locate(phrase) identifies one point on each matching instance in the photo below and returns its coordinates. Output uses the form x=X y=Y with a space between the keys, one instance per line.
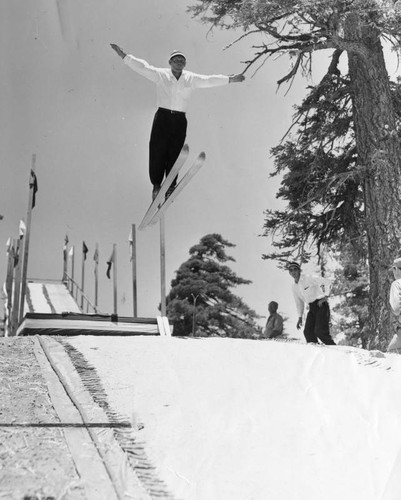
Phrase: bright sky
x=67 y=97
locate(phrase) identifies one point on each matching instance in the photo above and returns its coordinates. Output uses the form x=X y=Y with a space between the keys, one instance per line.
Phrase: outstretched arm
x=119 y=51
x=139 y=65
x=236 y=78
x=207 y=81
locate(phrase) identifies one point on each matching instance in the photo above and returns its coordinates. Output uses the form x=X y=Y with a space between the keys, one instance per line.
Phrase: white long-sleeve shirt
x=308 y=289
x=395 y=297
x=172 y=93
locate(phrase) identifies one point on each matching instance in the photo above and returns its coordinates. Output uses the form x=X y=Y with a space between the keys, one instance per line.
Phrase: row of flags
x=111 y=265
x=85 y=250
x=70 y=253
x=18 y=249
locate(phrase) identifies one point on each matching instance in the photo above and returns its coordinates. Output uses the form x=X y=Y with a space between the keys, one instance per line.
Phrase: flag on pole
x=110 y=263
x=131 y=245
x=96 y=259
x=96 y=254
x=96 y=271
x=22 y=229
x=33 y=183
x=65 y=247
x=16 y=251
x=84 y=249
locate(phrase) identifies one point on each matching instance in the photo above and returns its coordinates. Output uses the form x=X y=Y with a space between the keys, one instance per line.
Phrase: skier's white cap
x=177 y=53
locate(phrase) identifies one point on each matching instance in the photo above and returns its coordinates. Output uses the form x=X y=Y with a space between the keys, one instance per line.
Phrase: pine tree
x=356 y=29
x=201 y=302
x=321 y=182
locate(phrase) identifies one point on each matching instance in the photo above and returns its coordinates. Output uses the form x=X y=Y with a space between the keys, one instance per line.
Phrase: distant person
x=174 y=87
x=312 y=291
x=274 y=324
x=395 y=303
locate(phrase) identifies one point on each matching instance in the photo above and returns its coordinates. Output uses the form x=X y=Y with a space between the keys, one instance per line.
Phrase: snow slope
x=241 y=419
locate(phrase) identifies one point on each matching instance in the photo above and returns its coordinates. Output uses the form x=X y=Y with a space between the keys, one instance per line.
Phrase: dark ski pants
x=166 y=141
x=317 y=324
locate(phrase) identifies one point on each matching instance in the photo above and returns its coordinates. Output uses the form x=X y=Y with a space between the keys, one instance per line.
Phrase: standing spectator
x=312 y=291
x=274 y=324
x=395 y=303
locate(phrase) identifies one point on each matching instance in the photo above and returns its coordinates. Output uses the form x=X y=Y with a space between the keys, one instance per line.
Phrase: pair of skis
x=159 y=205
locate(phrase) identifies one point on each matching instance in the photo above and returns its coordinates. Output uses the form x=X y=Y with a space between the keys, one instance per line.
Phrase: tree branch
x=293 y=71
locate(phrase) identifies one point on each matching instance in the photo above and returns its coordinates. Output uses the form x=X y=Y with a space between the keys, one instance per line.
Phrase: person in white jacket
x=174 y=87
x=312 y=291
x=395 y=303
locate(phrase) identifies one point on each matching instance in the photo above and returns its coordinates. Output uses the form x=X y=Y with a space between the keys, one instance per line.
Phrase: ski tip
x=202 y=155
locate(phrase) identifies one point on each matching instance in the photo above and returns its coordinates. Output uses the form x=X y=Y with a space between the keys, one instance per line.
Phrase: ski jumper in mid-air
x=174 y=87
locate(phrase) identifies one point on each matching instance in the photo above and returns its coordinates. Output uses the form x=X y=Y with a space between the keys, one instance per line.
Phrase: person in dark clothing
x=274 y=324
x=313 y=291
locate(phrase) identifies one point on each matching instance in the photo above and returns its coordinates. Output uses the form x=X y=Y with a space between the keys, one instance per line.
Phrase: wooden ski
x=164 y=187
x=195 y=167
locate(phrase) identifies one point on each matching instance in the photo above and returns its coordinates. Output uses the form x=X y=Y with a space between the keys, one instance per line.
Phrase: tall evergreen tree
x=355 y=28
x=321 y=182
x=201 y=301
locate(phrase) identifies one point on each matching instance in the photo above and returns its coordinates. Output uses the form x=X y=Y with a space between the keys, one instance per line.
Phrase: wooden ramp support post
x=162 y=267
x=164 y=326
x=156 y=212
x=132 y=243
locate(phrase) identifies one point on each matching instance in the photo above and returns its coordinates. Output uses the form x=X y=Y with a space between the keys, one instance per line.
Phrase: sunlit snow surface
x=242 y=419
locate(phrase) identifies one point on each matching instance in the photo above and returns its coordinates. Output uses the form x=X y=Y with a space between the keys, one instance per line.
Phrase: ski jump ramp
x=50 y=309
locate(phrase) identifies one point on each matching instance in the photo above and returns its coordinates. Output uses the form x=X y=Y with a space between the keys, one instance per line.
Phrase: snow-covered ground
x=241 y=419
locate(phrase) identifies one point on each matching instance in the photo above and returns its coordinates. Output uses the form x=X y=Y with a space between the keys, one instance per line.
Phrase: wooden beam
x=134 y=275
x=162 y=267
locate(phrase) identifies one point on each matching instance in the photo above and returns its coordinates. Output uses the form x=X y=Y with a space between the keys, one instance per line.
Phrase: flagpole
x=72 y=269
x=65 y=258
x=82 y=281
x=162 y=267
x=134 y=277
x=83 y=275
x=17 y=285
x=27 y=238
x=96 y=258
x=9 y=285
x=115 y=277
